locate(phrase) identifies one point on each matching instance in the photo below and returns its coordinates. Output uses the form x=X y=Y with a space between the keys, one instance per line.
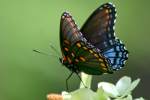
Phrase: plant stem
x=86 y=80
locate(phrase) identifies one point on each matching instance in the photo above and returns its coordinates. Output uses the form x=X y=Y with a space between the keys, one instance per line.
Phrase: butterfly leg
x=68 y=79
x=81 y=79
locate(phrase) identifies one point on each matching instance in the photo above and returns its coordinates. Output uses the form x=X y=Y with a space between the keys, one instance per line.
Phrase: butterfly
x=94 y=49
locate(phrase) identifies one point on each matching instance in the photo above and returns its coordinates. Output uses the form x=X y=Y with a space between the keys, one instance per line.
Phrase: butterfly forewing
x=98 y=29
x=69 y=32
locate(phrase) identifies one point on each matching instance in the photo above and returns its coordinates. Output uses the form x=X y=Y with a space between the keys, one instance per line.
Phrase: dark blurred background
x=30 y=24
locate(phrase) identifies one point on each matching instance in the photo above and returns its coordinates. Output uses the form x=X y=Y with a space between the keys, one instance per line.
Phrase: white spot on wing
x=114 y=27
x=110 y=3
x=114 y=21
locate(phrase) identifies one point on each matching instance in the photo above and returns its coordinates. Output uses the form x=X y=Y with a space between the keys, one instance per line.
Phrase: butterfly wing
x=78 y=51
x=89 y=60
x=98 y=29
x=69 y=33
x=117 y=55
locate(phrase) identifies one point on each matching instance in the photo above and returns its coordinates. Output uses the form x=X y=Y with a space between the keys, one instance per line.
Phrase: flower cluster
x=106 y=91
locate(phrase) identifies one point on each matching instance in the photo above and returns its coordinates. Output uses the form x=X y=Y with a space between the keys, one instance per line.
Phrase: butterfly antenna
x=37 y=51
x=54 y=49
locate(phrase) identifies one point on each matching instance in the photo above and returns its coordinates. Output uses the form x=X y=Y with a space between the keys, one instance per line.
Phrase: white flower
x=106 y=91
x=66 y=95
x=122 y=89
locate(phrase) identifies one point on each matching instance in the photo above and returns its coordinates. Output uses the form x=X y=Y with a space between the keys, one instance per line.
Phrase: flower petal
x=83 y=94
x=134 y=84
x=101 y=94
x=66 y=95
x=123 y=85
x=109 y=89
x=141 y=98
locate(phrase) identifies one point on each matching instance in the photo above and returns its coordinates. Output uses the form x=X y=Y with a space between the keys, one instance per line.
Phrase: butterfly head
x=62 y=60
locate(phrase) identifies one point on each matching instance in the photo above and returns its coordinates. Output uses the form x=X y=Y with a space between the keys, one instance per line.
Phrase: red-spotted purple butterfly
x=94 y=49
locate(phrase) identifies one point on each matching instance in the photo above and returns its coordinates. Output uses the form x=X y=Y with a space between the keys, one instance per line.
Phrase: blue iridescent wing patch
x=117 y=55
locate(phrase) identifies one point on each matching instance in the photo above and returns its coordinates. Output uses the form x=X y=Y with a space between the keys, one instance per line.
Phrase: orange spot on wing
x=78 y=45
x=85 y=48
x=103 y=65
x=64 y=58
x=67 y=42
x=90 y=51
x=76 y=60
x=96 y=55
x=107 y=11
x=101 y=60
x=82 y=58
x=69 y=60
x=66 y=49
x=72 y=54
x=104 y=69
x=107 y=17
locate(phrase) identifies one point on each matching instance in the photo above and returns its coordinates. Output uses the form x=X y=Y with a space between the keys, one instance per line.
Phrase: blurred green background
x=34 y=24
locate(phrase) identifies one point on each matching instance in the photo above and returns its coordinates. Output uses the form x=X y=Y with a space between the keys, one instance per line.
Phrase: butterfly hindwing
x=90 y=61
x=117 y=55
